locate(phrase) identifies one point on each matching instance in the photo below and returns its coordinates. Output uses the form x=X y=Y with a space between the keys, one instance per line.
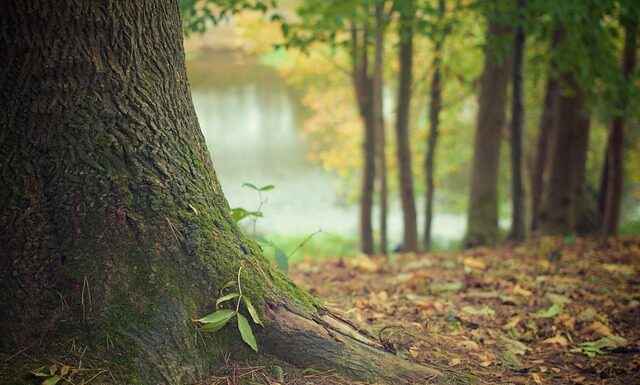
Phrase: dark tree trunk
x=483 y=203
x=435 y=106
x=542 y=156
x=566 y=198
x=115 y=230
x=518 y=230
x=613 y=173
x=410 y=237
x=379 y=124
x=363 y=84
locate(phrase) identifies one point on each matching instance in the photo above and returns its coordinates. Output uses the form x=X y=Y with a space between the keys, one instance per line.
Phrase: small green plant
x=219 y=318
x=239 y=213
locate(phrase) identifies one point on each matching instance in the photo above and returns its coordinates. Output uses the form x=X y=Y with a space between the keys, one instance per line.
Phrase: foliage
x=197 y=14
x=220 y=318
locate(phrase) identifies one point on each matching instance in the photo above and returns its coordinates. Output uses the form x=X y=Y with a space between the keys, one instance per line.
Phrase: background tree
x=482 y=225
x=115 y=230
x=435 y=105
x=518 y=229
x=406 y=10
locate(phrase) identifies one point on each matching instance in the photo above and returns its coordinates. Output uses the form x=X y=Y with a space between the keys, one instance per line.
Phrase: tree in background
x=435 y=105
x=483 y=203
x=613 y=171
x=518 y=229
x=407 y=12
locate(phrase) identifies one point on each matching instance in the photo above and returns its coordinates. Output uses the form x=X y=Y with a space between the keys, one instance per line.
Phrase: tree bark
x=518 y=229
x=378 y=117
x=435 y=105
x=115 y=230
x=483 y=202
x=614 y=168
x=410 y=235
x=363 y=84
x=566 y=191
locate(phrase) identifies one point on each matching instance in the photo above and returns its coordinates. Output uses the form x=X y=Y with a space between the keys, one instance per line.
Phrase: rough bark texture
x=363 y=84
x=483 y=203
x=115 y=230
x=518 y=229
x=566 y=193
x=435 y=105
x=614 y=169
x=410 y=235
x=378 y=117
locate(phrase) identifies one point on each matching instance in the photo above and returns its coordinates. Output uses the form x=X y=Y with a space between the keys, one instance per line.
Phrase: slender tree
x=115 y=231
x=378 y=117
x=483 y=202
x=406 y=9
x=435 y=105
x=611 y=186
x=518 y=229
x=363 y=84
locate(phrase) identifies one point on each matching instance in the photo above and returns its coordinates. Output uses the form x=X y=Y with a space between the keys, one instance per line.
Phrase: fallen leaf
x=598 y=328
x=536 y=378
x=558 y=340
x=454 y=362
x=520 y=291
x=474 y=263
x=513 y=322
x=485 y=311
x=469 y=345
x=550 y=312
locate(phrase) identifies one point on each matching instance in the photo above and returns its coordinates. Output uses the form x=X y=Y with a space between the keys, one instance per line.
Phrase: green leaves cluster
x=220 y=318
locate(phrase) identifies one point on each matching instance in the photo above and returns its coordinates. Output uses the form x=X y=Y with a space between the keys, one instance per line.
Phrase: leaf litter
x=545 y=311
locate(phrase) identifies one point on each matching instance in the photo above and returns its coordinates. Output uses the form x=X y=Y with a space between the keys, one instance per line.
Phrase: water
x=252 y=123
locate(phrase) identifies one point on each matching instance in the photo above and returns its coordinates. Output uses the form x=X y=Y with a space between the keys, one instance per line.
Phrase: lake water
x=252 y=122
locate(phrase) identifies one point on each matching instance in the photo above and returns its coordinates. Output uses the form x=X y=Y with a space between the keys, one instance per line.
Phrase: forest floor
x=549 y=311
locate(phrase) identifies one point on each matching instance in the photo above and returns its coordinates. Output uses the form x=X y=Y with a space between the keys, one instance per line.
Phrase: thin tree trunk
x=518 y=230
x=483 y=203
x=116 y=233
x=566 y=190
x=363 y=88
x=614 y=160
x=410 y=237
x=435 y=106
x=379 y=124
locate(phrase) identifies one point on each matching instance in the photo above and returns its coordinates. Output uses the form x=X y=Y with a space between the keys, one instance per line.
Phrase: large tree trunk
x=435 y=105
x=410 y=237
x=363 y=84
x=378 y=117
x=115 y=230
x=518 y=230
x=483 y=203
x=611 y=190
x=566 y=193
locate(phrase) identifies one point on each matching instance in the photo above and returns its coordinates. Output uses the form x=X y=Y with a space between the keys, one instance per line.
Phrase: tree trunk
x=378 y=117
x=410 y=237
x=483 y=203
x=566 y=190
x=363 y=84
x=614 y=171
x=115 y=230
x=435 y=106
x=518 y=230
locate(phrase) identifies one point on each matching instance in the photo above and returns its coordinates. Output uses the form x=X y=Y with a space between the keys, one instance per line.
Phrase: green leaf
x=252 y=311
x=51 y=380
x=227 y=285
x=246 y=333
x=251 y=186
x=216 y=320
x=226 y=298
x=551 y=312
x=267 y=187
x=238 y=214
x=282 y=260
x=485 y=311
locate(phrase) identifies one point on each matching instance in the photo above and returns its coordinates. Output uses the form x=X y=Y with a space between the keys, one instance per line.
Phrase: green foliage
x=196 y=14
x=220 y=318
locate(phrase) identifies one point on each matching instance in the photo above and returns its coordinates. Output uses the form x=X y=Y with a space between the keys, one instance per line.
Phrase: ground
x=549 y=311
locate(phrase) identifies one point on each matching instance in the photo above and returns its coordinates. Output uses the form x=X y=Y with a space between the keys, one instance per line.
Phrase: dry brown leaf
x=536 y=378
x=474 y=263
x=598 y=328
x=517 y=289
x=454 y=362
x=513 y=322
x=558 y=340
x=414 y=351
x=469 y=345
